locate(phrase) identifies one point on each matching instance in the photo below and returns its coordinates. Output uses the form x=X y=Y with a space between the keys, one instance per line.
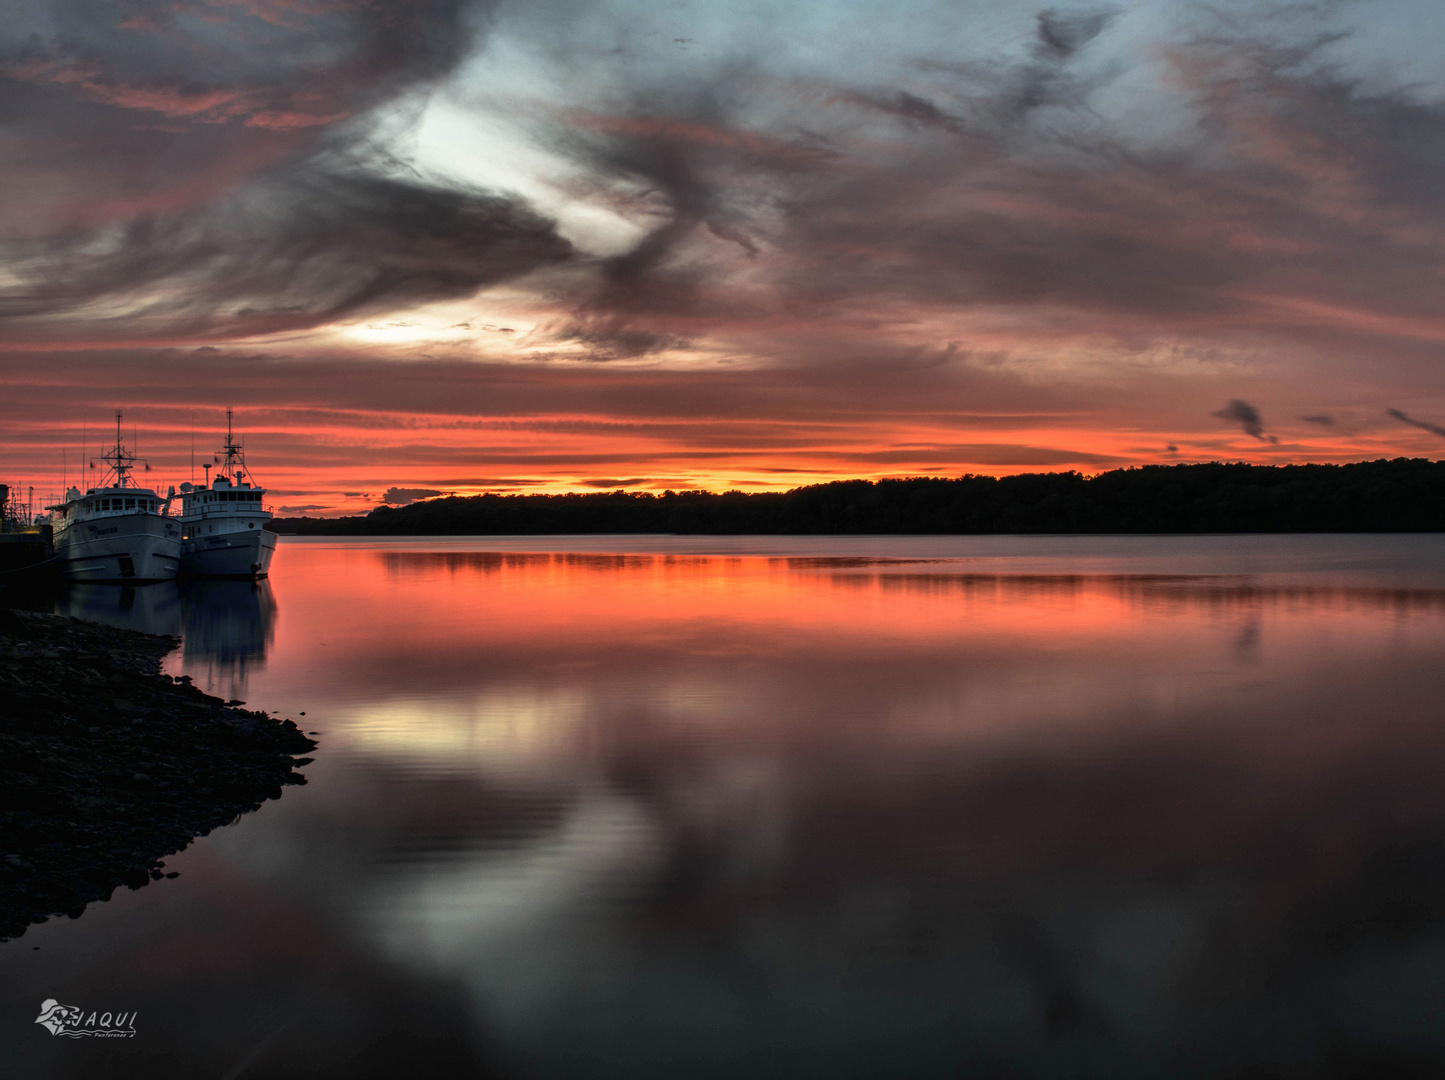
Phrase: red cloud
x=290 y=121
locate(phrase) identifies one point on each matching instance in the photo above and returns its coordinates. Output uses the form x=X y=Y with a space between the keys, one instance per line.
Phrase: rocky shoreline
x=107 y=766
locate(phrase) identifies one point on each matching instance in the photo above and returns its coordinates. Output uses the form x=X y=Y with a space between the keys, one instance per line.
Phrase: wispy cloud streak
x=1248 y=418
x=1423 y=425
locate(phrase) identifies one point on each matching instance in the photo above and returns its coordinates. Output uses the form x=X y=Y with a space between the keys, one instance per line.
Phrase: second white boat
x=224 y=522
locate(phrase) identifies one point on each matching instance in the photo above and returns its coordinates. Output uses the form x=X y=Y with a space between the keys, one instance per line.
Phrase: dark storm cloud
x=611 y=484
x=1247 y=417
x=908 y=107
x=174 y=175
x=1065 y=33
x=161 y=105
x=1423 y=425
x=293 y=249
x=1322 y=420
x=610 y=337
x=403 y=496
x=1287 y=201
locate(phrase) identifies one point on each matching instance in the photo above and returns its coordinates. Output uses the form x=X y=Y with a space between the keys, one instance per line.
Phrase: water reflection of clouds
x=708 y=815
x=1181 y=590
x=1163 y=872
x=1170 y=892
x=402 y=565
x=955 y=576
x=496 y=729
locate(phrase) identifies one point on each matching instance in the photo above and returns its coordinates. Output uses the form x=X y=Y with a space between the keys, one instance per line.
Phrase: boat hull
x=131 y=547
x=229 y=555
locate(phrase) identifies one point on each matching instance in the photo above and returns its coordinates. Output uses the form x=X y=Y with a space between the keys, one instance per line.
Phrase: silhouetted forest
x=1403 y=495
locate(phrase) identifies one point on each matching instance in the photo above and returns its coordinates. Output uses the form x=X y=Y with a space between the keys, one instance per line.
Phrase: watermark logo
x=72 y=1021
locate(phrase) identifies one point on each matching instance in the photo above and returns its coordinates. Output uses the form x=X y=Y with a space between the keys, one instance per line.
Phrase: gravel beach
x=107 y=766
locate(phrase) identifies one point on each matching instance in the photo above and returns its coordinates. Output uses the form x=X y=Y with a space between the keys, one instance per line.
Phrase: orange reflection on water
x=806 y=648
x=1144 y=801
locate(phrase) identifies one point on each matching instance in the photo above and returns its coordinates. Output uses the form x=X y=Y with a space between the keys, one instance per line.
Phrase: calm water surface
x=842 y=807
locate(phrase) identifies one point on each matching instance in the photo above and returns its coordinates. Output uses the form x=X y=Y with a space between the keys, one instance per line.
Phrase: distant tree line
x=1403 y=495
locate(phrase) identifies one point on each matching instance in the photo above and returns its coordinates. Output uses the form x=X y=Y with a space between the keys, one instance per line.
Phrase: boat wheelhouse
x=118 y=531
x=223 y=522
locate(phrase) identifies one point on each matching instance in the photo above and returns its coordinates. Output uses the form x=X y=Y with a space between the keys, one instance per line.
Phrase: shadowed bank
x=1404 y=495
x=108 y=766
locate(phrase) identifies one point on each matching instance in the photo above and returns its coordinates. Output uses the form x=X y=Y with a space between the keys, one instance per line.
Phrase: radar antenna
x=120 y=462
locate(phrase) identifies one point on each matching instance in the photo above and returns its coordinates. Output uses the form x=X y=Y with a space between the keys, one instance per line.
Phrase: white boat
x=118 y=531
x=223 y=522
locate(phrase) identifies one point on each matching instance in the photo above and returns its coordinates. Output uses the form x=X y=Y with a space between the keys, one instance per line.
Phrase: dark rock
x=86 y=891
x=79 y=811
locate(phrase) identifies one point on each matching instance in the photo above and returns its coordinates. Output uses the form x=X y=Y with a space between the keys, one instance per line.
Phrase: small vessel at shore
x=24 y=547
x=223 y=522
x=118 y=531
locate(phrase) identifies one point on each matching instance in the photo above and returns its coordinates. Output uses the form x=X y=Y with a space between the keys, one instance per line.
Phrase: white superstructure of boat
x=223 y=522
x=118 y=531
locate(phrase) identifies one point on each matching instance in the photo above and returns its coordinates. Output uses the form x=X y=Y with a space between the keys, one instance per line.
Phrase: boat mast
x=234 y=454
x=120 y=461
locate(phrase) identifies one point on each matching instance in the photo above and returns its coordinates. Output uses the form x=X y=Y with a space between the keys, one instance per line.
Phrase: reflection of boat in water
x=228 y=623
x=224 y=522
x=151 y=609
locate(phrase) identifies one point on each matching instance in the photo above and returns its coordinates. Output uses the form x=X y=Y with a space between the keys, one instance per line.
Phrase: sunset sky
x=488 y=245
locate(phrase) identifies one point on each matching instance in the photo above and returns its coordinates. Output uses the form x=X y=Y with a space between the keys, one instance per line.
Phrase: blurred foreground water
x=845 y=807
